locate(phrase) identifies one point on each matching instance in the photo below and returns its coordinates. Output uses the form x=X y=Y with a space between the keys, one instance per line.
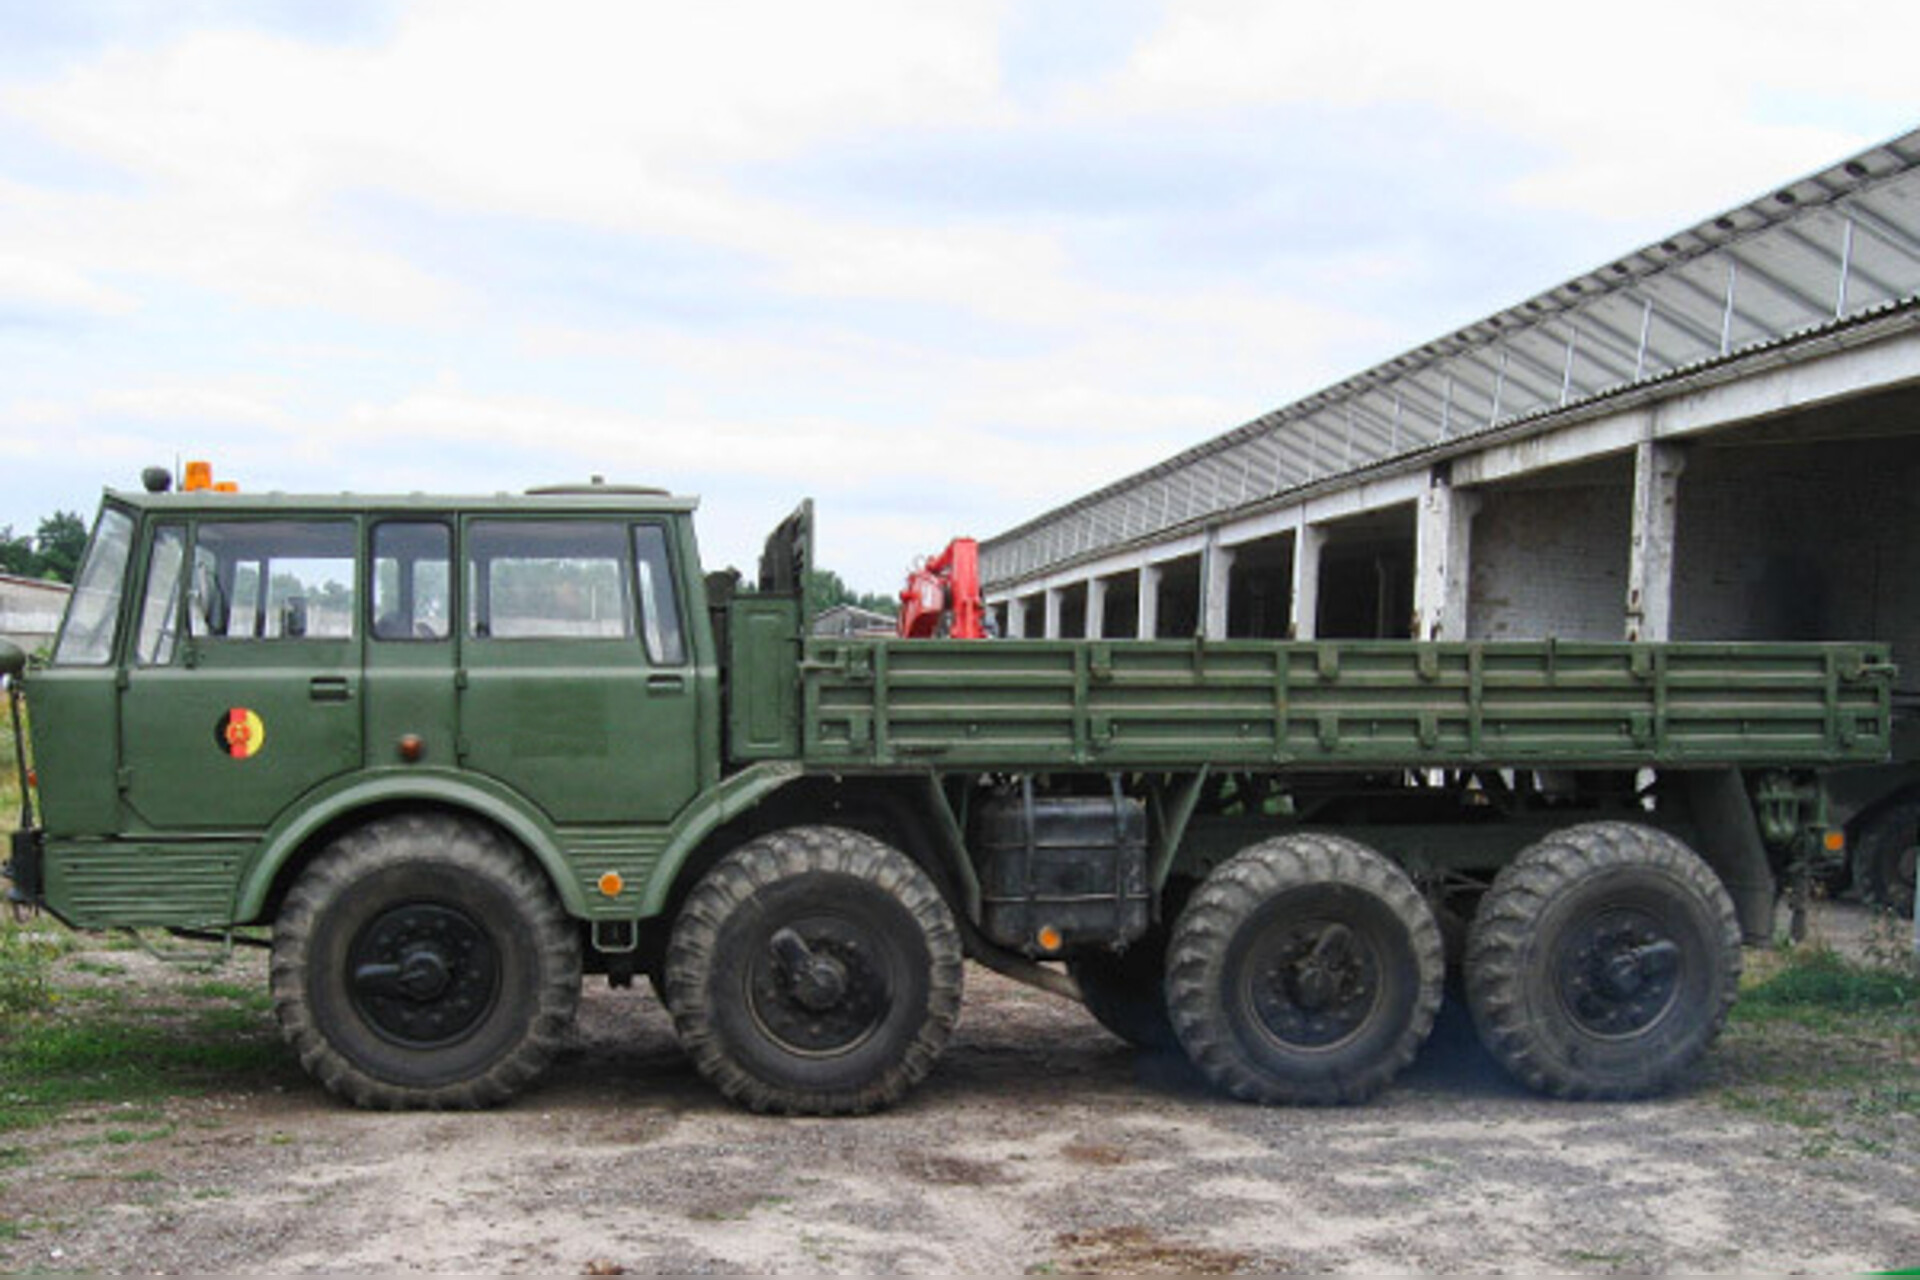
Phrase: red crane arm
x=945 y=589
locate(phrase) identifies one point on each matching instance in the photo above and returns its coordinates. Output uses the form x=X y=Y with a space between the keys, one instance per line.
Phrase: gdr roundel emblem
x=240 y=733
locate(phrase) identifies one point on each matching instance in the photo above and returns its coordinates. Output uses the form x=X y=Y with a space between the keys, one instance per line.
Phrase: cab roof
x=559 y=498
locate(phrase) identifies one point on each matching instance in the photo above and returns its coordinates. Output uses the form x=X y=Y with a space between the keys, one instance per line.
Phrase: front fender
x=459 y=792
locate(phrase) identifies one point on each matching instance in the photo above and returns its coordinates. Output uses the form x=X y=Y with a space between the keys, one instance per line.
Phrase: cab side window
x=160 y=609
x=659 y=606
x=86 y=634
x=284 y=580
x=548 y=579
x=412 y=580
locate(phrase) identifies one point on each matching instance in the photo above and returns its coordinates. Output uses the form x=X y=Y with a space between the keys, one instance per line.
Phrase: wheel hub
x=1315 y=984
x=423 y=974
x=1619 y=972
x=816 y=988
x=817 y=980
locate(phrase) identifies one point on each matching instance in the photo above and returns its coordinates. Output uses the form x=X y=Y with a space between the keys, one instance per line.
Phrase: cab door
x=577 y=688
x=411 y=716
x=242 y=688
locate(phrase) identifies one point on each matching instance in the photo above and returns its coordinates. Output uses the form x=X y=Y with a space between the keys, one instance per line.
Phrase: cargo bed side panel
x=1338 y=705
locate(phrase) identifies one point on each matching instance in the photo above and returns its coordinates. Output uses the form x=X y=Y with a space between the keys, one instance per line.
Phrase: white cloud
x=1638 y=108
x=927 y=366
x=613 y=115
x=201 y=405
x=40 y=285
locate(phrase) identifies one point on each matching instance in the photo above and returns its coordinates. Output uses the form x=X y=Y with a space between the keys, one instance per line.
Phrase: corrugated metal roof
x=1821 y=252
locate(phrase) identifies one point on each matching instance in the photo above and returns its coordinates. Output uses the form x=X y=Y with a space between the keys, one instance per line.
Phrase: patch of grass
x=1817 y=981
x=51 y=1065
x=251 y=998
x=26 y=965
x=100 y=969
x=1779 y=1108
x=9 y=770
x=11 y=1230
x=1827 y=1046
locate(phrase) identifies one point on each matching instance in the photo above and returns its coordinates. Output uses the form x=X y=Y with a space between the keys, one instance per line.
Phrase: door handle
x=666 y=684
x=329 y=689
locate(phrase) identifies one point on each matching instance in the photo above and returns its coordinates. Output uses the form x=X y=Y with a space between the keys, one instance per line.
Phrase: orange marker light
x=1049 y=938
x=199 y=476
x=611 y=884
x=411 y=747
x=1836 y=841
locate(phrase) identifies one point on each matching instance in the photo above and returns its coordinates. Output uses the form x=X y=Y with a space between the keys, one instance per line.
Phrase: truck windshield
x=86 y=637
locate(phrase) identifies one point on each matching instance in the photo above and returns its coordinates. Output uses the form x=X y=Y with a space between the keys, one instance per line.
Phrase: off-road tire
x=1265 y=916
x=1883 y=854
x=851 y=899
x=404 y=878
x=1538 y=962
x=1126 y=992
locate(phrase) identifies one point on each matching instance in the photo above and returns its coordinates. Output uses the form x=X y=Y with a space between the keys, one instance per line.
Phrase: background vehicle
x=457 y=752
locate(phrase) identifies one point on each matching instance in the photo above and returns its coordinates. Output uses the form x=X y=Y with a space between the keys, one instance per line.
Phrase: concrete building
x=852 y=620
x=30 y=610
x=1716 y=436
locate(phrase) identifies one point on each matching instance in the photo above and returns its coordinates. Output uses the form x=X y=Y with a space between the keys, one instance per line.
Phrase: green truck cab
x=457 y=752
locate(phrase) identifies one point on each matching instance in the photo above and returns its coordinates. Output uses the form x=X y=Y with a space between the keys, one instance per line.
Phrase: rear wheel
x=421 y=962
x=1307 y=970
x=814 y=970
x=1126 y=992
x=1602 y=962
x=1883 y=858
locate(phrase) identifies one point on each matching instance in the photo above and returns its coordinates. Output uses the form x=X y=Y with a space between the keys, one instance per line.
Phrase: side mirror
x=294 y=621
x=13 y=659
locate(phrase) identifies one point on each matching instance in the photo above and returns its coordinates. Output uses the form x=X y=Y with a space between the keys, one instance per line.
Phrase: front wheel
x=1306 y=969
x=814 y=971
x=1602 y=962
x=420 y=962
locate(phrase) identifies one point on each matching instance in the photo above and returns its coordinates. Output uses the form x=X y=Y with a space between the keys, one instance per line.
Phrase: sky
x=940 y=267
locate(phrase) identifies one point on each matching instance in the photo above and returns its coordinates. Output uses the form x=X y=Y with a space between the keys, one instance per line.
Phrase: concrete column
x=1656 y=507
x=1096 y=608
x=1053 y=613
x=1305 y=609
x=1149 y=601
x=1213 y=591
x=1016 y=618
x=1443 y=556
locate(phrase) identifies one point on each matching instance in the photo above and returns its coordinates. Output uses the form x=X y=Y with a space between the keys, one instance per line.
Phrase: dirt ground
x=1041 y=1144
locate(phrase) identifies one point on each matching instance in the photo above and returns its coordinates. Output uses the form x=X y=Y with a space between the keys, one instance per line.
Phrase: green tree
x=16 y=555
x=59 y=544
x=825 y=588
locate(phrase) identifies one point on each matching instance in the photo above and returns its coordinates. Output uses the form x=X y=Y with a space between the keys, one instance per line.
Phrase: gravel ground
x=1040 y=1144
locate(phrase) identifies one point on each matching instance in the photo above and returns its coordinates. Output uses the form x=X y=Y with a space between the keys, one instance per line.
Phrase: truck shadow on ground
x=1011 y=1047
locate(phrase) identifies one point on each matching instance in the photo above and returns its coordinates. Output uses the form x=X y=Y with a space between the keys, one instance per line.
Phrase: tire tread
x=463 y=845
x=1232 y=893
x=1499 y=944
x=760 y=864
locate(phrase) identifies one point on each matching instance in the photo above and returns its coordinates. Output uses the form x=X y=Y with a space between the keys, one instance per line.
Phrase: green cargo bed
x=1037 y=704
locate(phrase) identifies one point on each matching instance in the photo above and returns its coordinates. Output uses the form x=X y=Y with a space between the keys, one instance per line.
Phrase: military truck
x=454 y=753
